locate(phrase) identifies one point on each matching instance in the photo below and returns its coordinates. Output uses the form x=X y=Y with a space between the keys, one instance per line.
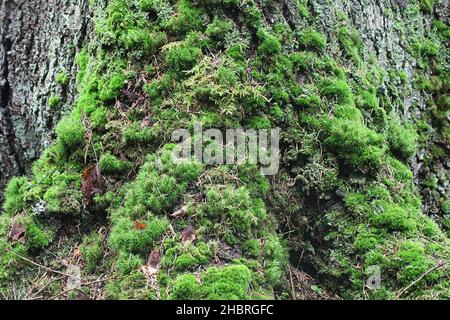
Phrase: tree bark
x=38 y=39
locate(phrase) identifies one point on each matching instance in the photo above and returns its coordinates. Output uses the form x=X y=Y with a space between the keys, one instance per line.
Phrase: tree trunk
x=38 y=40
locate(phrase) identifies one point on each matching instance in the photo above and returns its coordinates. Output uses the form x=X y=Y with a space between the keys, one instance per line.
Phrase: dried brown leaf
x=188 y=234
x=91 y=179
x=17 y=233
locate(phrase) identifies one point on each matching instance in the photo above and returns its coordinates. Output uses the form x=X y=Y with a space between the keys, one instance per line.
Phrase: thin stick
x=292 y=284
x=39 y=265
x=418 y=279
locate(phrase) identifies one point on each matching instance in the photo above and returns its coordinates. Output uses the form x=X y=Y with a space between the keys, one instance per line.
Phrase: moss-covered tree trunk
x=358 y=87
x=38 y=41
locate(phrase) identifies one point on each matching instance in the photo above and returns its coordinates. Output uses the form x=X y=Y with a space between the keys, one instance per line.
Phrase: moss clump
x=71 y=131
x=92 y=250
x=270 y=45
x=337 y=90
x=62 y=79
x=402 y=138
x=54 y=101
x=111 y=165
x=312 y=39
x=109 y=90
x=126 y=237
x=186 y=287
x=217 y=32
x=351 y=44
x=16 y=195
x=227 y=283
x=182 y=58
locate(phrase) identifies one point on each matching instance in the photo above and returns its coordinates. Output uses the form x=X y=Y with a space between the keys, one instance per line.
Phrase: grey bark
x=38 y=39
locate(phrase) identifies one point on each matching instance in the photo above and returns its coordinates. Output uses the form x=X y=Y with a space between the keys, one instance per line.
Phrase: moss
x=355 y=143
x=131 y=287
x=275 y=258
x=16 y=195
x=237 y=206
x=182 y=58
x=111 y=165
x=127 y=263
x=217 y=32
x=402 y=138
x=352 y=44
x=413 y=262
x=71 y=131
x=63 y=194
x=427 y=5
x=54 y=101
x=312 y=39
x=252 y=248
x=188 y=18
x=441 y=28
x=393 y=217
x=62 y=79
x=337 y=90
x=110 y=89
x=269 y=45
x=185 y=262
x=227 y=283
x=127 y=238
x=186 y=287
x=92 y=250
x=136 y=134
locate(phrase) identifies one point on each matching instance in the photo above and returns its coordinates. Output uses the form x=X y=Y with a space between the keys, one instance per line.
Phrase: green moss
x=402 y=138
x=71 y=131
x=136 y=134
x=62 y=79
x=186 y=287
x=312 y=39
x=54 y=101
x=217 y=32
x=337 y=90
x=269 y=45
x=111 y=165
x=127 y=263
x=110 y=89
x=36 y=236
x=252 y=248
x=182 y=58
x=236 y=205
x=441 y=28
x=427 y=5
x=227 y=283
x=351 y=44
x=127 y=238
x=393 y=217
x=412 y=262
x=15 y=195
x=131 y=287
x=188 y=18
x=92 y=250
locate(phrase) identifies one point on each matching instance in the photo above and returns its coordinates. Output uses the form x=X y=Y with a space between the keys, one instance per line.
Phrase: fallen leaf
x=188 y=234
x=91 y=181
x=139 y=225
x=17 y=233
x=154 y=258
x=179 y=213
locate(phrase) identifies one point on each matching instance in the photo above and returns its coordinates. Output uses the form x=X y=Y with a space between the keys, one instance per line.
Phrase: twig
x=39 y=265
x=418 y=279
x=292 y=284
